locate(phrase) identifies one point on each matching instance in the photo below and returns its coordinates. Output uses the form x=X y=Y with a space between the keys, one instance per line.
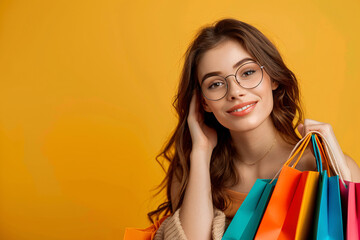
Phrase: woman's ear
x=274 y=84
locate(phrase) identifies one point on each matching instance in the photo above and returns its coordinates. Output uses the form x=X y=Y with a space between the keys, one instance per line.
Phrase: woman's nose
x=234 y=89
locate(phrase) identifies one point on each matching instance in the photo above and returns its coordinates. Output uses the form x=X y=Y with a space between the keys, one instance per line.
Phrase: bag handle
x=298 y=149
x=302 y=144
x=320 y=155
x=317 y=154
x=330 y=157
x=328 y=153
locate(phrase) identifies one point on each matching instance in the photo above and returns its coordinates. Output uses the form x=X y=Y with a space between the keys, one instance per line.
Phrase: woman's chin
x=246 y=125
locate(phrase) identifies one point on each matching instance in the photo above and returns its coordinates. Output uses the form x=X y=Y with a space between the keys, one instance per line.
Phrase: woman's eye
x=215 y=85
x=248 y=73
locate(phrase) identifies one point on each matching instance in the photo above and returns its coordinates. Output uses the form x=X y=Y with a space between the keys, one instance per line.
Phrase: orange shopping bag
x=289 y=212
x=143 y=234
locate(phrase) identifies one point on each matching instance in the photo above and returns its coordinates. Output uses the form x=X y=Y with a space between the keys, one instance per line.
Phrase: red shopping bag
x=350 y=199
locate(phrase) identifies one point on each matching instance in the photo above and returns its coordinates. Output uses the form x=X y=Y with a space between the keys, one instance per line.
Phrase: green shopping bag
x=247 y=219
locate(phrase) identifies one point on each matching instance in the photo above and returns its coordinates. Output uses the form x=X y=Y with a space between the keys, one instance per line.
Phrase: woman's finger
x=192 y=106
x=308 y=121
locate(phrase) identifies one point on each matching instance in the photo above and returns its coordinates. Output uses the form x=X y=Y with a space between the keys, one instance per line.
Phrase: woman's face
x=252 y=106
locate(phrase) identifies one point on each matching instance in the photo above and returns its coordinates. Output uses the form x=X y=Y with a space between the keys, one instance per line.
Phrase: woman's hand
x=347 y=165
x=203 y=137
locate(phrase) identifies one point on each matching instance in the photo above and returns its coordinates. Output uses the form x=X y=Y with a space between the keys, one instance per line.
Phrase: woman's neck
x=254 y=145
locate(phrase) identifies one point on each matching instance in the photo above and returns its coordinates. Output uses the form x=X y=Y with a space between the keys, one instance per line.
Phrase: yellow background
x=86 y=91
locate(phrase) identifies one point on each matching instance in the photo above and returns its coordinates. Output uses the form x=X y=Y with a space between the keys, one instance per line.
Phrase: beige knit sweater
x=171 y=228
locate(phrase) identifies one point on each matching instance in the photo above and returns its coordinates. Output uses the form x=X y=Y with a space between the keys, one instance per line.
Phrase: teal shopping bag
x=328 y=214
x=247 y=219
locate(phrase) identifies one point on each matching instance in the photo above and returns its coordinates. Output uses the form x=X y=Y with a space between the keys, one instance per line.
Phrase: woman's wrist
x=200 y=155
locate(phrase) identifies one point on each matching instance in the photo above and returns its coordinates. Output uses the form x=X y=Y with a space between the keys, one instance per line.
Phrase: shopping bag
x=350 y=198
x=328 y=213
x=289 y=212
x=143 y=234
x=247 y=218
x=297 y=224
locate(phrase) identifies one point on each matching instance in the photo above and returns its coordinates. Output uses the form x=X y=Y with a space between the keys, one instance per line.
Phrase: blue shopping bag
x=328 y=222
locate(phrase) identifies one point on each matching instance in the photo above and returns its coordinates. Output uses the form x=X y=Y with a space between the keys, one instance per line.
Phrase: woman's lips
x=242 y=109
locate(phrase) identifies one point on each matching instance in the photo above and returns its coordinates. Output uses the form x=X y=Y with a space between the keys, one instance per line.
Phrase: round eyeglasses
x=248 y=75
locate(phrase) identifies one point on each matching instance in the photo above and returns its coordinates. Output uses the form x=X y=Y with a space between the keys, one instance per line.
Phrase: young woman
x=238 y=108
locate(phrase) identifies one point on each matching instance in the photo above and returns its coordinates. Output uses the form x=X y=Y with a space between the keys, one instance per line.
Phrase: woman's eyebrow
x=210 y=74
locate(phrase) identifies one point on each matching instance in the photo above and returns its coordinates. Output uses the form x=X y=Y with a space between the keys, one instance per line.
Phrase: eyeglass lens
x=248 y=75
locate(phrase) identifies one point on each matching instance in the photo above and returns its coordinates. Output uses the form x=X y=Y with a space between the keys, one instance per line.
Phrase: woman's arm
x=354 y=169
x=196 y=213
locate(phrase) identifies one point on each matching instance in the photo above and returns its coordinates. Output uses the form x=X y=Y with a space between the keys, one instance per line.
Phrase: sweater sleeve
x=171 y=228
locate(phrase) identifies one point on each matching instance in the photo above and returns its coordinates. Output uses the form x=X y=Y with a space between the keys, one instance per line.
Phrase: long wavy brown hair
x=286 y=113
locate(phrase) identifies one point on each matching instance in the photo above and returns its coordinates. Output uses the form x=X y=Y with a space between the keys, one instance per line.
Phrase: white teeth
x=243 y=108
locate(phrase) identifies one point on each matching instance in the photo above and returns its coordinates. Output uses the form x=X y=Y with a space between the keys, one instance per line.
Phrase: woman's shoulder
x=354 y=168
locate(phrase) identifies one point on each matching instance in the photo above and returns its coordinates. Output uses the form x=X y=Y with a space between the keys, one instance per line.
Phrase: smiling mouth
x=243 y=108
